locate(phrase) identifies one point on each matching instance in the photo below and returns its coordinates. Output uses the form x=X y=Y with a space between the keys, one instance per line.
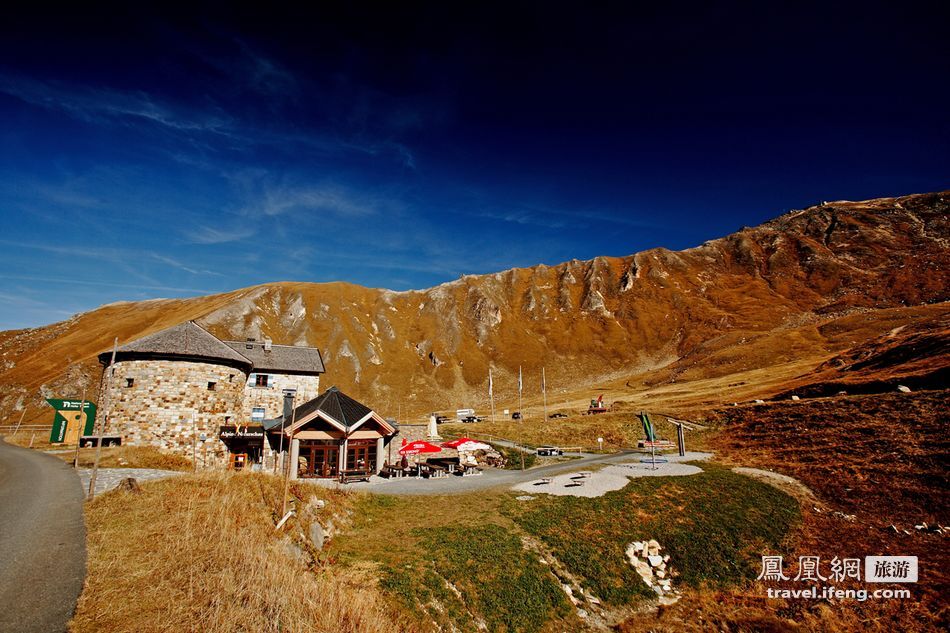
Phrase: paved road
x=42 y=541
x=493 y=477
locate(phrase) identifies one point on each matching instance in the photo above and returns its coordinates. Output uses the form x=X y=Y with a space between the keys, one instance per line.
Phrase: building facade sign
x=241 y=433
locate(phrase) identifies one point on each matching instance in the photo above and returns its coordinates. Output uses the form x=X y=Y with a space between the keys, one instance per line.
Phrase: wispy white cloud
x=104 y=105
x=209 y=128
x=108 y=284
x=556 y=217
x=174 y=263
x=328 y=198
x=215 y=235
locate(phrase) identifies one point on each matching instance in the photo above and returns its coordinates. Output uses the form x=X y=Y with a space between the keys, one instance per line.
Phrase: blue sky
x=164 y=155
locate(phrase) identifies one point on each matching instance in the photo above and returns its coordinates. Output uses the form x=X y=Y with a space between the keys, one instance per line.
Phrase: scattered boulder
x=796 y=398
x=903 y=388
x=570 y=594
x=317 y=536
x=293 y=550
x=645 y=558
x=315 y=505
x=128 y=484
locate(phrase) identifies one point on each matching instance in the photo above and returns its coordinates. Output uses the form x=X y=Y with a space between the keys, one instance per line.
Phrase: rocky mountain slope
x=806 y=285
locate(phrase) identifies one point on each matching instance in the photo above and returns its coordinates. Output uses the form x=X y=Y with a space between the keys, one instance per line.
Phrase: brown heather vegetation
x=129 y=457
x=199 y=553
x=881 y=458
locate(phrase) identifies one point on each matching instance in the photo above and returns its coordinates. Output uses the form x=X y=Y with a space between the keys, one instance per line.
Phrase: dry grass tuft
x=129 y=457
x=200 y=553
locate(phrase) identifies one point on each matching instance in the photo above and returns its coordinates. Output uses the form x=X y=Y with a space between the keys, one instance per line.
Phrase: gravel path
x=109 y=478
x=494 y=478
x=610 y=478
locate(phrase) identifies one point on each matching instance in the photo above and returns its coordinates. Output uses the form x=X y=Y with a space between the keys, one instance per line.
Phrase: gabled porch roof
x=338 y=410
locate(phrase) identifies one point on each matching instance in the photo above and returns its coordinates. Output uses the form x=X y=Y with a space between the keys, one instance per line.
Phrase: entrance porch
x=334 y=436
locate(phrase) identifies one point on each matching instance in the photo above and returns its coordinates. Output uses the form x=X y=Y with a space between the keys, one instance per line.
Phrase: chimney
x=267 y=344
x=248 y=343
x=288 y=406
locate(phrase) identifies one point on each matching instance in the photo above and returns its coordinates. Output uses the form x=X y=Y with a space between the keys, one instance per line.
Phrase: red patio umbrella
x=414 y=448
x=456 y=443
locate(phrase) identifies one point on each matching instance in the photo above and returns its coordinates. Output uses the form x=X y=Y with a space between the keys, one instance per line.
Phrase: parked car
x=557 y=415
x=516 y=415
x=439 y=419
x=549 y=451
x=472 y=418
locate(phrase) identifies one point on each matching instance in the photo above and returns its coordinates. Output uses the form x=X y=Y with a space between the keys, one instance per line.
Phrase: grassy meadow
x=474 y=560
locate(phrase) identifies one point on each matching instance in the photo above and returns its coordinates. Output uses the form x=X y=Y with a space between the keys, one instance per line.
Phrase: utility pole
x=17 y=429
x=293 y=418
x=544 y=393
x=491 y=396
x=283 y=426
x=194 y=443
x=105 y=417
x=82 y=423
x=521 y=413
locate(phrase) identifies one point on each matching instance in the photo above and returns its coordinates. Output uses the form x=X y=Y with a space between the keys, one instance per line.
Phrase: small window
x=262 y=380
x=257 y=413
x=211 y=386
x=230 y=377
x=129 y=382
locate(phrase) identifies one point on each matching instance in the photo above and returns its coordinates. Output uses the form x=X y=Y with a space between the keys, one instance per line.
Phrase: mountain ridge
x=584 y=320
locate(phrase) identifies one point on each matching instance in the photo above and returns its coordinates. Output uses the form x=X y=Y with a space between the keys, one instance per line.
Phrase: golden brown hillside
x=784 y=297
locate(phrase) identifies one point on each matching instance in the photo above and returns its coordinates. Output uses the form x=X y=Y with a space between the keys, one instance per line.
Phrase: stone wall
x=272 y=398
x=169 y=403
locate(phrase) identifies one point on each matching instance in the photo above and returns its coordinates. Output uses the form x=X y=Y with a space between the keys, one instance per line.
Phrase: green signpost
x=68 y=418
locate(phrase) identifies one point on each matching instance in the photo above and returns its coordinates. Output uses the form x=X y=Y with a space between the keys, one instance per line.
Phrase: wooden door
x=322 y=460
x=361 y=456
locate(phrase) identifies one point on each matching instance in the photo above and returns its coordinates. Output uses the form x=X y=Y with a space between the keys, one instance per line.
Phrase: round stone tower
x=173 y=388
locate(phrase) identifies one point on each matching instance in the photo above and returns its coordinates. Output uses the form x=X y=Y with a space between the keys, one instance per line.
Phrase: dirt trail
x=788 y=485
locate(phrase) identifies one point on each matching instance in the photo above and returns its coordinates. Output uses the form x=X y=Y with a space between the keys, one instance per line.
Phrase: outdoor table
x=437 y=471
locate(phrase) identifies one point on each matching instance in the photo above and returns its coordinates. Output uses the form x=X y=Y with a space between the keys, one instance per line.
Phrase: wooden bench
x=347 y=476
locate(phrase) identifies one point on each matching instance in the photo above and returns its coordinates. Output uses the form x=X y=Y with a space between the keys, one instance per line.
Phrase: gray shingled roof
x=335 y=404
x=281 y=358
x=185 y=340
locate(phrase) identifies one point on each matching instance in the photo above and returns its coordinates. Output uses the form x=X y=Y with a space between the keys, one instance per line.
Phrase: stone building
x=183 y=390
x=278 y=371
